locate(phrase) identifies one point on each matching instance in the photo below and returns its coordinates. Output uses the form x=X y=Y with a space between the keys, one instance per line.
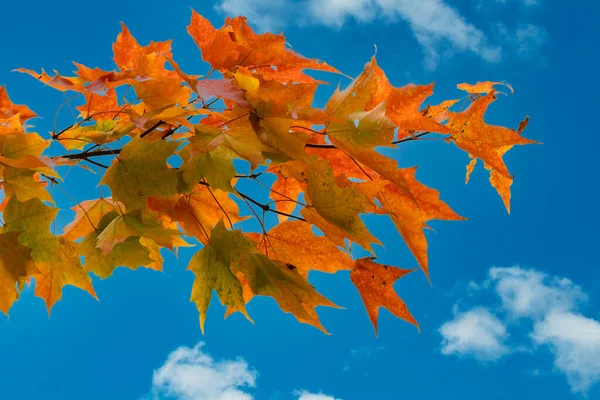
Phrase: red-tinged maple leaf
x=127 y=51
x=410 y=214
x=100 y=107
x=295 y=244
x=403 y=109
x=375 y=283
x=8 y=108
x=486 y=142
x=235 y=44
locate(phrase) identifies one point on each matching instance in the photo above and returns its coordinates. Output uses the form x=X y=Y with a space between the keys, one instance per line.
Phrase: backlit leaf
x=375 y=283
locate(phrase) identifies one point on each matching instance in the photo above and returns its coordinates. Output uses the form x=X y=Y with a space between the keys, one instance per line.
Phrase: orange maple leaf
x=375 y=283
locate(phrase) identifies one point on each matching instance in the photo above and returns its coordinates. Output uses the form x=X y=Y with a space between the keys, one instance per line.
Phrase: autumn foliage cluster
x=253 y=104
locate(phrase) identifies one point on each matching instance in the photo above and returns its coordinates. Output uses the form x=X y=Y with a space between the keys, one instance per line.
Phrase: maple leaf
x=134 y=224
x=235 y=44
x=100 y=107
x=87 y=74
x=155 y=85
x=230 y=253
x=24 y=184
x=215 y=167
x=206 y=89
x=102 y=132
x=411 y=213
x=341 y=163
x=57 y=81
x=213 y=269
x=8 y=108
x=439 y=112
x=133 y=252
x=481 y=140
x=242 y=140
x=375 y=283
x=88 y=215
x=403 y=110
x=275 y=108
x=18 y=146
x=141 y=171
x=198 y=211
x=127 y=51
x=335 y=210
x=55 y=257
x=357 y=128
x=162 y=87
x=374 y=129
x=294 y=243
x=486 y=142
x=16 y=265
x=43 y=165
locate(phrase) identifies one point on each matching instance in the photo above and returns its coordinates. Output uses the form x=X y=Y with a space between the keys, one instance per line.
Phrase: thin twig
x=151 y=129
x=266 y=207
x=85 y=155
x=96 y=163
x=410 y=138
x=219 y=204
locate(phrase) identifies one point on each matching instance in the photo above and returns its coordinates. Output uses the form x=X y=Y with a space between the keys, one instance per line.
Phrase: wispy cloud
x=189 y=373
x=525 y=39
x=530 y=38
x=304 y=395
x=360 y=356
x=549 y=304
x=434 y=23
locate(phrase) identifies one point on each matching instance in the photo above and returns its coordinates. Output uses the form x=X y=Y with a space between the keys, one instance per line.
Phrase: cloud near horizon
x=549 y=304
x=192 y=374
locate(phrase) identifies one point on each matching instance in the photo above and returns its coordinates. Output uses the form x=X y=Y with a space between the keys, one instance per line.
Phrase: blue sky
x=513 y=309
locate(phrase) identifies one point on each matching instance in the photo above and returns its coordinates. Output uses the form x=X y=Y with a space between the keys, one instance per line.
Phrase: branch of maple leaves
x=86 y=156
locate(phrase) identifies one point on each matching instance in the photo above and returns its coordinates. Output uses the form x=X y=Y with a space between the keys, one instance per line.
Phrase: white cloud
x=575 y=341
x=191 y=374
x=551 y=304
x=530 y=293
x=475 y=333
x=304 y=395
x=434 y=23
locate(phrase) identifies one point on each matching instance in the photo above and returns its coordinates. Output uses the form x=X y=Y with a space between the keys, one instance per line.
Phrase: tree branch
x=152 y=128
x=410 y=138
x=86 y=155
x=266 y=207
